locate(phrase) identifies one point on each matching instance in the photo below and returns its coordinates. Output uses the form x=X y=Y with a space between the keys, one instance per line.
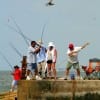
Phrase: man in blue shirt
x=41 y=60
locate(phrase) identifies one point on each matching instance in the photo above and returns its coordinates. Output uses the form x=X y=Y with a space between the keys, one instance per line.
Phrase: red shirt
x=17 y=74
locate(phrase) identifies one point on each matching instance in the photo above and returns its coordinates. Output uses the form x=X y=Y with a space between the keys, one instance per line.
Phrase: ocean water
x=5 y=81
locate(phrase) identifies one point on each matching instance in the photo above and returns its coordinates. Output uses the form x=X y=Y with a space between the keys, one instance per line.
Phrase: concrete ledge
x=59 y=89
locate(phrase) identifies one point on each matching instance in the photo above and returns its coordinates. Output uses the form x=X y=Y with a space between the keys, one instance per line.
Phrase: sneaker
x=67 y=78
x=38 y=78
x=28 y=78
x=44 y=77
x=11 y=90
x=79 y=78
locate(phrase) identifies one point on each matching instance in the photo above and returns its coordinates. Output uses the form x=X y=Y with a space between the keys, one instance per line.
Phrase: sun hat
x=51 y=44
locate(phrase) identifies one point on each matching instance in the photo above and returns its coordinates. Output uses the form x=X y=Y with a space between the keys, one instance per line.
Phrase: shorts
x=31 y=66
x=74 y=65
x=41 y=66
x=49 y=61
x=14 y=83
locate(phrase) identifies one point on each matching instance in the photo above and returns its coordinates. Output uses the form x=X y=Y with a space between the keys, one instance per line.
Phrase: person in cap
x=73 y=61
x=16 y=77
x=32 y=70
x=51 y=59
x=41 y=60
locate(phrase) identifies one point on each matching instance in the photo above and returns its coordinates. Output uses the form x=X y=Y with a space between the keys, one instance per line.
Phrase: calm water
x=5 y=81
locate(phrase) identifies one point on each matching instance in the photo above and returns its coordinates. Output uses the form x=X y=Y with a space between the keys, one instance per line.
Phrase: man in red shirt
x=16 y=77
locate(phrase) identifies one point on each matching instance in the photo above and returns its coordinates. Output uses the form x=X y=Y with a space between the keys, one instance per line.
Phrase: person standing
x=51 y=59
x=73 y=59
x=33 y=49
x=16 y=77
x=41 y=60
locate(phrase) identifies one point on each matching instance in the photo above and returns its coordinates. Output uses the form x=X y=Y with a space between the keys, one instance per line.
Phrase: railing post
x=23 y=68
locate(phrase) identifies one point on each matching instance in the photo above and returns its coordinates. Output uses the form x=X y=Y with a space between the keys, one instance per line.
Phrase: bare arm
x=71 y=53
x=37 y=49
x=85 y=45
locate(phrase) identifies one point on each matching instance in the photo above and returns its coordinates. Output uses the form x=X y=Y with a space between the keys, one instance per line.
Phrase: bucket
x=72 y=77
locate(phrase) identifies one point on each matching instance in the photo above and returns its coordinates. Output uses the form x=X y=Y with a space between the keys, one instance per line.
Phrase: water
x=5 y=81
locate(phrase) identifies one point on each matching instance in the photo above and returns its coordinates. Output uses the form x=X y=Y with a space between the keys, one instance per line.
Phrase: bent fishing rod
x=26 y=39
x=43 y=32
x=6 y=60
x=19 y=31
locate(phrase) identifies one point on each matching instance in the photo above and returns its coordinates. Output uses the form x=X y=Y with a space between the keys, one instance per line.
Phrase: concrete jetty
x=58 y=90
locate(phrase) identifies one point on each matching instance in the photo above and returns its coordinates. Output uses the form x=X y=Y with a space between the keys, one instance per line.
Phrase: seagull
x=50 y=3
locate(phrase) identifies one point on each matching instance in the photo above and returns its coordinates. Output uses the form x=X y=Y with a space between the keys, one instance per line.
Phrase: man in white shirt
x=73 y=58
x=32 y=59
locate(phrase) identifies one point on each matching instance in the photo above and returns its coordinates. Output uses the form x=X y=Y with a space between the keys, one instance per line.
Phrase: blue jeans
x=32 y=66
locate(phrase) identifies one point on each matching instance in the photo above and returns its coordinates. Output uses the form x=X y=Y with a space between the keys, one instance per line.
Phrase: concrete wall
x=58 y=90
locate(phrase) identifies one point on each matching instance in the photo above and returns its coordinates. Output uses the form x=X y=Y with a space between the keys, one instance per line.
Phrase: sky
x=68 y=21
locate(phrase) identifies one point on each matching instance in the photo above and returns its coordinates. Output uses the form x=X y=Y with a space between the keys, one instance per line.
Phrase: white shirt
x=51 y=55
x=74 y=58
x=31 y=55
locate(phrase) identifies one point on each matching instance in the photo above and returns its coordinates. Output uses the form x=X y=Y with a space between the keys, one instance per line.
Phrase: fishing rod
x=15 y=49
x=4 y=57
x=19 y=31
x=43 y=32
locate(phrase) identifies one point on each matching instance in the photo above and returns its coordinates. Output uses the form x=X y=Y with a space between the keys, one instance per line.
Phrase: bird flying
x=50 y=3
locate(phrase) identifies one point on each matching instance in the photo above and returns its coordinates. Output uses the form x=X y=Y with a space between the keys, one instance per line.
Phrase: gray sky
x=76 y=21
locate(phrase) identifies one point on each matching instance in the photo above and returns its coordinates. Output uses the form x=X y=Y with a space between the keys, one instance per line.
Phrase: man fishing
x=41 y=60
x=33 y=49
x=73 y=59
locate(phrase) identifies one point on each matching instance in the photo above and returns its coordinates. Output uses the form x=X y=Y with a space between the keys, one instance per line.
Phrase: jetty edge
x=58 y=90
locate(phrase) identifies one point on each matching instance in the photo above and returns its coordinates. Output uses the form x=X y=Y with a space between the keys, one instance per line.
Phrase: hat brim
x=51 y=46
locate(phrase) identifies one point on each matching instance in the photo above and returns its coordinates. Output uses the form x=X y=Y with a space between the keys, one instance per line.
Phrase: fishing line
x=20 y=31
x=4 y=57
x=15 y=49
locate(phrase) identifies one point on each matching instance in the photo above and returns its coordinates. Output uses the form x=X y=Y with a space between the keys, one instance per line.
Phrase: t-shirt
x=51 y=55
x=41 y=56
x=17 y=74
x=31 y=55
x=74 y=58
